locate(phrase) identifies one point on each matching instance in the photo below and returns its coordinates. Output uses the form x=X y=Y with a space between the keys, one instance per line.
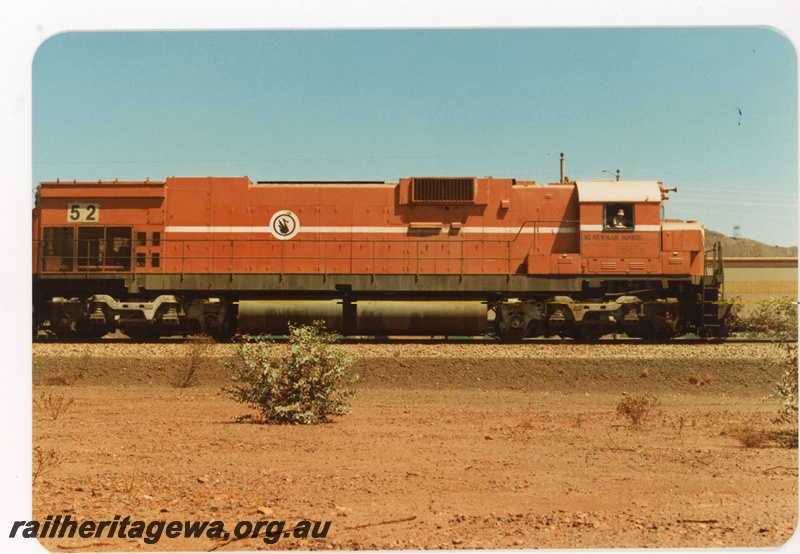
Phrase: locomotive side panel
x=364 y=229
x=683 y=248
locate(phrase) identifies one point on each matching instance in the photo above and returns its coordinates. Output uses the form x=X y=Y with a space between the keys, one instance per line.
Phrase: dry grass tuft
x=786 y=438
x=44 y=461
x=700 y=380
x=62 y=379
x=637 y=408
x=52 y=405
x=526 y=421
x=72 y=374
x=199 y=349
x=750 y=435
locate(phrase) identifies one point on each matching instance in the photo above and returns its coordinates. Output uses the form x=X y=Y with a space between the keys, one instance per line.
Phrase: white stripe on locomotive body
x=370 y=230
x=599 y=228
x=215 y=229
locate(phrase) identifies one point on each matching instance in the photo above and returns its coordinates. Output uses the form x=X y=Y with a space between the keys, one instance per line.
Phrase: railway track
x=119 y=338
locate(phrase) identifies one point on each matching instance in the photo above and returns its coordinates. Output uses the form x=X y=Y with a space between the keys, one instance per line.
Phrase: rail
x=121 y=338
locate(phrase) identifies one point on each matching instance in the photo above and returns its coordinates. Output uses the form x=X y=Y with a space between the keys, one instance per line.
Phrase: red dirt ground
x=437 y=453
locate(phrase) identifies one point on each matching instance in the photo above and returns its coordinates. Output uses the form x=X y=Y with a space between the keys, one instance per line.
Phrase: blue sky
x=658 y=104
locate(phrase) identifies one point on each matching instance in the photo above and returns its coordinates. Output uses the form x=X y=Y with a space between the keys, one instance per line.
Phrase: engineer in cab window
x=620 y=221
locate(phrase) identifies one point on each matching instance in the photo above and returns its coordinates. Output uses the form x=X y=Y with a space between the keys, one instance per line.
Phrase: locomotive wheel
x=649 y=333
x=226 y=334
x=515 y=329
x=513 y=335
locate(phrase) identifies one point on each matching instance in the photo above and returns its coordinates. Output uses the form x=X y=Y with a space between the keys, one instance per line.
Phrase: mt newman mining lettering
x=612 y=237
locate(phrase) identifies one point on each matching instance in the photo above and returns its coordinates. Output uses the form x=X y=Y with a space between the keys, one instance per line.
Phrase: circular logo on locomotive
x=284 y=225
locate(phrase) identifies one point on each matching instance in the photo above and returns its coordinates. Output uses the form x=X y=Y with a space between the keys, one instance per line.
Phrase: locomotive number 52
x=83 y=213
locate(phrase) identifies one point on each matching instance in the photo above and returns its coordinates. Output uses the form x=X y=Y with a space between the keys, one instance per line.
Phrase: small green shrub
x=786 y=387
x=776 y=319
x=637 y=408
x=308 y=386
x=773 y=318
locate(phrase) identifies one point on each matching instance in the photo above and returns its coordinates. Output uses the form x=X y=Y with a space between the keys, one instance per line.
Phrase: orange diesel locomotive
x=424 y=256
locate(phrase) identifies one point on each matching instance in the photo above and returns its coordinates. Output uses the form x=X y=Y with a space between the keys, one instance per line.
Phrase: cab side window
x=618 y=216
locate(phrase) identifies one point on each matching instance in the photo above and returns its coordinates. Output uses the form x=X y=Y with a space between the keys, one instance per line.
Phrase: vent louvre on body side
x=442 y=189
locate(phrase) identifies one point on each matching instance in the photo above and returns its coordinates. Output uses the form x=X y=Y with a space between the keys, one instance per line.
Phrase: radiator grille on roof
x=442 y=189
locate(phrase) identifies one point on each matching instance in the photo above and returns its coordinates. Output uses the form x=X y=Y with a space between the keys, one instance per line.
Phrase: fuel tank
x=365 y=317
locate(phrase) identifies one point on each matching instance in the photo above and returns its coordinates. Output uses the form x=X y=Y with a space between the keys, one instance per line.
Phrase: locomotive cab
x=620 y=227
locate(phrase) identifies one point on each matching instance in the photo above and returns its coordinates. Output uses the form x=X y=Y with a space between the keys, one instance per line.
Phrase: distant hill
x=747 y=248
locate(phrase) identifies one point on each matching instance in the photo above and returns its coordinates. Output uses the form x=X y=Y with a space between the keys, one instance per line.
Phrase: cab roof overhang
x=619 y=191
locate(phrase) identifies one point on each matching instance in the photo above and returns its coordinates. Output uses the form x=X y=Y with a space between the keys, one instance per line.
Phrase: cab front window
x=618 y=216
